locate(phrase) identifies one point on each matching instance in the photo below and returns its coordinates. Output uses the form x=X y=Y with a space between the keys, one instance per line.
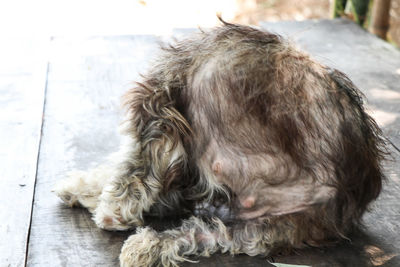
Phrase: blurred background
x=43 y=18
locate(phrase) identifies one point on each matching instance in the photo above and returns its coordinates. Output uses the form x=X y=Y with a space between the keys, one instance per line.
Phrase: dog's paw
x=141 y=249
x=75 y=191
x=65 y=195
x=108 y=216
x=115 y=213
x=69 y=189
x=149 y=248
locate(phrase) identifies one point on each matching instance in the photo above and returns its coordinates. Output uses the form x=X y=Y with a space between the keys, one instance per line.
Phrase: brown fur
x=268 y=148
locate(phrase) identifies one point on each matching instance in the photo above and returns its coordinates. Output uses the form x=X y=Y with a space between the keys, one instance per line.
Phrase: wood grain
x=86 y=79
x=22 y=85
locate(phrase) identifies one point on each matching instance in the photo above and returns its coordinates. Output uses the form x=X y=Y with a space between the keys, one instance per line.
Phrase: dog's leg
x=84 y=188
x=137 y=185
x=154 y=158
x=158 y=160
x=118 y=194
x=198 y=238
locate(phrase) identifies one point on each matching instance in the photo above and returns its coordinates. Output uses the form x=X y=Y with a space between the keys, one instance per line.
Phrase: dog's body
x=268 y=149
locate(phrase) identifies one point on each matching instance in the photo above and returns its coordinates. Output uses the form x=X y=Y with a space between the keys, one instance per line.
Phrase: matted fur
x=267 y=148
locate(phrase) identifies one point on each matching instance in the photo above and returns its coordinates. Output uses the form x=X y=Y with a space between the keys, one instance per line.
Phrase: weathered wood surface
x=22 y=87
x=86 y=79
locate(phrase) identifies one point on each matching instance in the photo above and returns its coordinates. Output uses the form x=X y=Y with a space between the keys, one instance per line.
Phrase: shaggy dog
x=254 y=144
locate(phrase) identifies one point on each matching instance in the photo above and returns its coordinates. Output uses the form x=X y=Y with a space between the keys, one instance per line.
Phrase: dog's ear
x=160 y=129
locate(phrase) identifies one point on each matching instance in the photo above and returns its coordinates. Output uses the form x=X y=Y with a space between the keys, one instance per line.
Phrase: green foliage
x=358 y=8
x=338 y=8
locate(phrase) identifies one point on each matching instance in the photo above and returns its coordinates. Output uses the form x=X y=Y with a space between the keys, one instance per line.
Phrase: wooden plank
x=374 y=66
x=82 y=113
x=22 y=84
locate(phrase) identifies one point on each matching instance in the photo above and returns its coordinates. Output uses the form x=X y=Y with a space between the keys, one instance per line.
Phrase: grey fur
x=267 y=148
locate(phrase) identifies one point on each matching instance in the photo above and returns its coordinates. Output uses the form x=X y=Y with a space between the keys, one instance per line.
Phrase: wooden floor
x=60 y=112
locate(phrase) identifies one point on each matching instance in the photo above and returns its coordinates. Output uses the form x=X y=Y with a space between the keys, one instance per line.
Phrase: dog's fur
x=266 y=148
